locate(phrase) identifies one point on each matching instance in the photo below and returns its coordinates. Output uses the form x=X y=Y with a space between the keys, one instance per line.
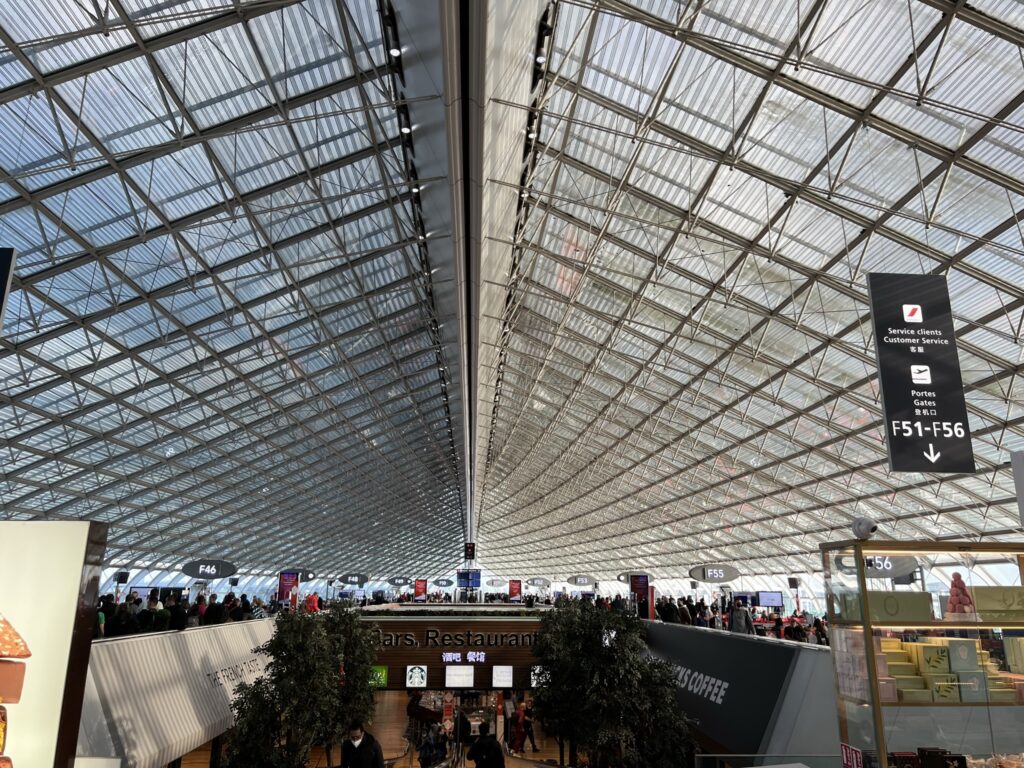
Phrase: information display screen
x=501 y=677
x=769 y=599
x=458 y=676
x=468 y=579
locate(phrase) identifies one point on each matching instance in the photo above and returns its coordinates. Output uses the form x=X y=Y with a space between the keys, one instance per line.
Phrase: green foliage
x=316 y=682
x=354 y=644
x=603 y=692
x=259 y=734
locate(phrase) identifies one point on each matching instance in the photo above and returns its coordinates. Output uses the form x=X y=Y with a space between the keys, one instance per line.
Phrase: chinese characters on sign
x=451 y=657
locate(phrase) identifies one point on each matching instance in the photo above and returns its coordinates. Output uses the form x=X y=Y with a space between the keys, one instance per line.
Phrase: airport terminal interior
x=409 y=382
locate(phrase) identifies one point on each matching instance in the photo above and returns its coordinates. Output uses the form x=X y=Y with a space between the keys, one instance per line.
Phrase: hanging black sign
x=538 y=581
x=399 y=581
x=209 y=569
x=354 y=579
x=443 y=582
x=6 y=274
x=470 y=550
x=926 y=424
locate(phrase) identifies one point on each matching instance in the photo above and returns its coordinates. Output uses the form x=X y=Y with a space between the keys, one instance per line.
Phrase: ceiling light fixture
x=541 y=58
x=396 y=52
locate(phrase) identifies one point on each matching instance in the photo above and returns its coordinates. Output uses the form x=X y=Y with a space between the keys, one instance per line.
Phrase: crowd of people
x=132 y=615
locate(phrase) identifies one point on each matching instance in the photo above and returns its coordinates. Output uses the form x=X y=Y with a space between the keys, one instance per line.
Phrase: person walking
x=486 y=753
x=361 y=750
x=739 y=619
x=528 y=727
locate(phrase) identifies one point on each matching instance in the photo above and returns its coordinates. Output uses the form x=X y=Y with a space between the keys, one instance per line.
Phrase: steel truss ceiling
x=222 y=337
x=686 y=368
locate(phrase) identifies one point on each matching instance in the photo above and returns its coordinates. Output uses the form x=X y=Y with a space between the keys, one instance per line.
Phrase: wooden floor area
x=389 y=728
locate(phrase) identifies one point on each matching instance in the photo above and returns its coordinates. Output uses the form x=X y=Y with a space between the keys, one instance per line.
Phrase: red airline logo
x=912 y=313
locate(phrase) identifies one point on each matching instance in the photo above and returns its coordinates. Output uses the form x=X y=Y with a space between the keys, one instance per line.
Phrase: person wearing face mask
x=361 y=750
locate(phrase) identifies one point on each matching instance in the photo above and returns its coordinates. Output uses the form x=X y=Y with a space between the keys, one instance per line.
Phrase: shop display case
x=928 y=649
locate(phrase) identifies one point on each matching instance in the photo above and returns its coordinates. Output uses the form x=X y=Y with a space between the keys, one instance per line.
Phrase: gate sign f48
x=926 y=425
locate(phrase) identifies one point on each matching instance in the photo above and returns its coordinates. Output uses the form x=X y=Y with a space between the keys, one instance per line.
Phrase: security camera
x=864 y=528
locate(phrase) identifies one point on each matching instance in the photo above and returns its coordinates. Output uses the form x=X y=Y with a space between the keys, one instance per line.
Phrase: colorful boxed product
x=944 y=688
x=933 y=659
x=887 y=689
x=902 y=669
x=908 y=682
x=1002 y=696
x=963 y=654
x=973 y=686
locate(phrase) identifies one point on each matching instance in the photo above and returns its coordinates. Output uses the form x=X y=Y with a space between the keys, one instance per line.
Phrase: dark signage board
x=468 y=579
x=926 y=425
x=580 y=581
x=443 y=582
x=6 y=275
x=538 y=581
x=879 y=566
x=470 y=552
x=436 y=643
x=716 y=573
x=354 y=579
x=209 y=569
x=731 y=684
x=399 y=581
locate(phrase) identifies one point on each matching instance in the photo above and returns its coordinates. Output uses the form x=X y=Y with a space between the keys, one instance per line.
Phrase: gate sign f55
x=919 y=371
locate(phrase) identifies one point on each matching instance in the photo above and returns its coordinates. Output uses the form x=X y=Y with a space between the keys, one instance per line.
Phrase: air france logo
x=912 y=313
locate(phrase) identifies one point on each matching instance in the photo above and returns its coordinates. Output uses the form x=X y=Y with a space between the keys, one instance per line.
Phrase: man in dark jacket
x=361 y=750
x=179 y=617
x=487 y=751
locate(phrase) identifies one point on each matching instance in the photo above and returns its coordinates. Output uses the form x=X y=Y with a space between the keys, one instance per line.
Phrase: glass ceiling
x=221 y=338
x=687 y=371
x=229 y=335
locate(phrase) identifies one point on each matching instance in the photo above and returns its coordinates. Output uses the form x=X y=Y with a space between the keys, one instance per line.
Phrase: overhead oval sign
x=399 y=581
x=496 y=583
x=718 y=573
x=879 y=566
x=209 y=569
x=443 y=582
x=580 y=581
x=624 y=577
x=354 y=579
x=537 y=581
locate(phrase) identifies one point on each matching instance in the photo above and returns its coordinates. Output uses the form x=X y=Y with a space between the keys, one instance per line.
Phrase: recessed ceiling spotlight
x=416 y=189
x=405 y=129
x=541 y=59
x=531 y=135
x=396 y=52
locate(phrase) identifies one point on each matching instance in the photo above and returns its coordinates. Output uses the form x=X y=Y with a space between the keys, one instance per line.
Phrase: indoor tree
x=317 y=681
x=601 y=691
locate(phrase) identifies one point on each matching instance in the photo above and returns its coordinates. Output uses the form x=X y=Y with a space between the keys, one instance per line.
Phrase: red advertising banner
x=515 y=591
x=638 y=583
x=288 y=586
x=420 y=591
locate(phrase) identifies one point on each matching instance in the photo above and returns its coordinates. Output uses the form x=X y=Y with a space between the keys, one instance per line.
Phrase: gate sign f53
x=919 y=371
